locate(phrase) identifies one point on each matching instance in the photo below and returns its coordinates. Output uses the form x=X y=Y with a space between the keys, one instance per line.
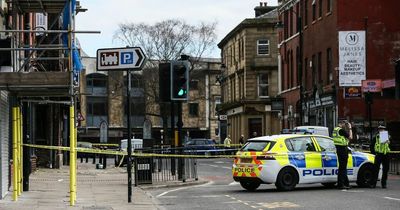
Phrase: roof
x=267 y=20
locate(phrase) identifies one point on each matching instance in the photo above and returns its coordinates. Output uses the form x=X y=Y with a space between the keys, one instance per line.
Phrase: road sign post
x=129 y=58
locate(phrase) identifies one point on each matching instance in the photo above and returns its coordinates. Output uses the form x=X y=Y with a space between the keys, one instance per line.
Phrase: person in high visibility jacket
x=381 y=151
x=341 y=140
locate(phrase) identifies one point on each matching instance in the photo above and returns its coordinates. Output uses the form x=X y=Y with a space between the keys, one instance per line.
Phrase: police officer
x=381 y=150
x=340 y=139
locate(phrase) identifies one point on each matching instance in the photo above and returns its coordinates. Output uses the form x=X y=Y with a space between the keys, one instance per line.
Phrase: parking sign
x=120 y=59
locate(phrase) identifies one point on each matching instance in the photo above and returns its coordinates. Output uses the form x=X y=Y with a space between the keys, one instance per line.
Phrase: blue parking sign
x=126 y=57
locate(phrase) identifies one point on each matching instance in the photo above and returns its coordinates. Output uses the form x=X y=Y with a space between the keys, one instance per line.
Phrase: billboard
x=352 y=65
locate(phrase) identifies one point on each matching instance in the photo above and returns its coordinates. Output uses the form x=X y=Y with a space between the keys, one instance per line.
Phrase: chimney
x=263 y=8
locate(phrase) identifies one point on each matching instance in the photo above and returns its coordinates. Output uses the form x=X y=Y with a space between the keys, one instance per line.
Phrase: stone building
x=249 y=80
x=104 y=99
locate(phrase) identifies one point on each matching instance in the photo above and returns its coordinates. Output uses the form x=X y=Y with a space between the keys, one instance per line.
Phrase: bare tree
x=167 y=40
x=162 y=42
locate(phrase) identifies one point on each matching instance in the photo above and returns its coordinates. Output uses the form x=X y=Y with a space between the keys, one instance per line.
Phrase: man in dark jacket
x=341 y=141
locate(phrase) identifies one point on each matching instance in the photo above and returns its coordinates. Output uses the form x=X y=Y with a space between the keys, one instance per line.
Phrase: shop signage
x=352 y=92
x=351 y=58
x=389 y=83
x=372 y=85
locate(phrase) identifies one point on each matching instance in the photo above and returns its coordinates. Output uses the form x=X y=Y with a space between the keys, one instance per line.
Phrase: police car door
x=329 y=158
x=304 y=156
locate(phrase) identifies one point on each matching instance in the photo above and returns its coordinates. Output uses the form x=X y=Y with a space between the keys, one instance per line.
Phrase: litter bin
x=144 y=167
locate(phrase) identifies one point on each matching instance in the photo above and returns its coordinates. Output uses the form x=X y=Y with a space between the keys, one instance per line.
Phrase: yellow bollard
x=18 y=152
x=15 y=154
x=21 y=151
x=72 y=160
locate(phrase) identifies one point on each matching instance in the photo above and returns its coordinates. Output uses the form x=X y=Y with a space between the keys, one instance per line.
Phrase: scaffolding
x=45 y=68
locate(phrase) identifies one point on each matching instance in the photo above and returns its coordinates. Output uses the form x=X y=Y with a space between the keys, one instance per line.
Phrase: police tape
x=134 y=154
x=139 y=154
x=103 y=144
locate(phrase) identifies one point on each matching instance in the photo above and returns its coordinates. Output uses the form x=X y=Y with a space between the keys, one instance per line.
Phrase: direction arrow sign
x=120 y=59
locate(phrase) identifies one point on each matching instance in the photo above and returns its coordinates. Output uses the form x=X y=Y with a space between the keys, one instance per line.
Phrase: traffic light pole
x=128 y=111
x=181 y=162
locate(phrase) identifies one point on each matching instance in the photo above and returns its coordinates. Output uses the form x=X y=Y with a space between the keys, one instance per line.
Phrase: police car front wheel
x=250 y=186
x=287 y=179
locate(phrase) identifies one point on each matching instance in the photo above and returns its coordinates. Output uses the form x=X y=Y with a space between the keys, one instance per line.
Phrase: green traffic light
x=181 y=92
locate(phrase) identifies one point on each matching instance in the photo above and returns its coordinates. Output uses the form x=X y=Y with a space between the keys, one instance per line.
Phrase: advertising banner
x=372 y=85
x=352 y=65
x=352 y=92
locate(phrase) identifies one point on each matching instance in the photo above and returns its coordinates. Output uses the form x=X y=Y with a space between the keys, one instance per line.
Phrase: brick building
x=249 y=80
x=311 y=61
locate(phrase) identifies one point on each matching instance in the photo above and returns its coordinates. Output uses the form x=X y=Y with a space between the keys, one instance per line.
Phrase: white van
x=136 y=144
x=317 y=130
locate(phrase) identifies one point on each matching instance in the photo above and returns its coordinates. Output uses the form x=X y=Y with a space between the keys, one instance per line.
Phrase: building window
x=194 y=84
x=263 y=47
x=96 y=103
x=291 y=21
x=96 y=111
x=329 y=6
x=305 y=12
x=314 y=10
x=320 y=68
x=305 y=78
x=329 y=65
x=314 y=70
x=193 y=109
x=216 y=103
x=263 y=85
x=320 y=8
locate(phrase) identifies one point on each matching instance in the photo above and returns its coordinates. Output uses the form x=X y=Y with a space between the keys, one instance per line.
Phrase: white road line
x=234 y=183
x=182 y=188
x=396 y=199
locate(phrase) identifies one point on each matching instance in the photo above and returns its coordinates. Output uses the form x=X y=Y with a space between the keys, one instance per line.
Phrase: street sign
x=120 y=59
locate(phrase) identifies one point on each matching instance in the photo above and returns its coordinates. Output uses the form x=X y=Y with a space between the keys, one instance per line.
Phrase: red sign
x=372 y=85
x=388 y=83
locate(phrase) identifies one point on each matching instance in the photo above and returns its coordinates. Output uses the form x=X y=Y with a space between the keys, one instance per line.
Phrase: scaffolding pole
x=15 y=153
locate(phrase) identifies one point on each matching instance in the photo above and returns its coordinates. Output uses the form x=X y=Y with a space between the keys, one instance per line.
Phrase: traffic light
x=179 y=80
x=164 y=84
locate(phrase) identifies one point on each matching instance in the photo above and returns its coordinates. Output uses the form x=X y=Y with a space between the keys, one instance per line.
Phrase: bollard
x=94 y=158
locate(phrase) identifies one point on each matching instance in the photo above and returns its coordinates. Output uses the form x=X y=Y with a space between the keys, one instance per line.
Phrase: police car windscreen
x=257 y=145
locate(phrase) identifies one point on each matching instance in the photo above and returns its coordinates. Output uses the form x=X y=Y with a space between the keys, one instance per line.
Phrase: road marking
x=234 y=183
x=218 y=162
x=396 y=199
x=274 y=205
x=182 y=188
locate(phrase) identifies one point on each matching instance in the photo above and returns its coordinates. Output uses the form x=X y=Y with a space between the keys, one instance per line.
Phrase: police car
x=291 y=159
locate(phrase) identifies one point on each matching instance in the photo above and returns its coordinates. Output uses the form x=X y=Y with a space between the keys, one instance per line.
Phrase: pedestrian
x=380 y=148
x=241 y=140
x=227 y=141
x=254 y=134
x=227 y=144
x=341 y=140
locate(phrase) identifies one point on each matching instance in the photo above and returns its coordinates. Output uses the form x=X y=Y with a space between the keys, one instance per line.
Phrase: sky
x=105 y=15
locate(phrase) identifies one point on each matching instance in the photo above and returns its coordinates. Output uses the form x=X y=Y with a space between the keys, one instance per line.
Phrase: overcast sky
x=105 y=15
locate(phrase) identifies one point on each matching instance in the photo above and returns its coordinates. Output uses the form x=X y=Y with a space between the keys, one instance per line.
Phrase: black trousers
x=384 y=160
x=343 y=155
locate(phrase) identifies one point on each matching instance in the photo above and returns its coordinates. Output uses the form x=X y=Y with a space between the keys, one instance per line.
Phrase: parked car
x=200 y=146
x=123 y=147
x=291 y=159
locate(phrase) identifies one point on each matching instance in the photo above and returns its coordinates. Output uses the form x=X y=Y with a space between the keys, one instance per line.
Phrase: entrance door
x=255 y=125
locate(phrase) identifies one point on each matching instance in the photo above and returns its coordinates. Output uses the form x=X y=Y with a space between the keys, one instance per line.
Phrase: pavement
x=100 y=189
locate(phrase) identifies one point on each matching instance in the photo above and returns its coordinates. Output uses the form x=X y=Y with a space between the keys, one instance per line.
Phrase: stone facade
x=198 y=114
x=250 y=79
